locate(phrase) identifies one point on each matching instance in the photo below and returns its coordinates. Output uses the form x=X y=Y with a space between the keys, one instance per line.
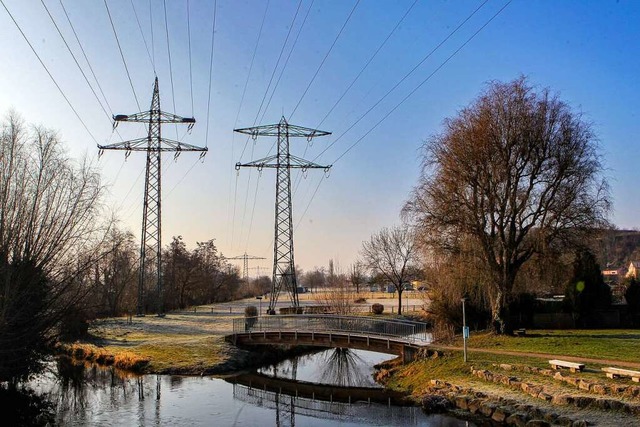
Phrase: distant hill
x=616 y=248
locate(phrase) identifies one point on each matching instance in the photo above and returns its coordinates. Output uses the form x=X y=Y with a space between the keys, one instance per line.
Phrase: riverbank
x=509 y=379
x=506 y=378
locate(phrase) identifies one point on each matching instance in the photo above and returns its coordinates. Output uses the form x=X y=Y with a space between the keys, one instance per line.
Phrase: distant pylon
x=246 y=258
x=154 y=145
x=284 y=271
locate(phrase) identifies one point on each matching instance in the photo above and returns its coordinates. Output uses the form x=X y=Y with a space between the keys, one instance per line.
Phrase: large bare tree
x=518 y=171
x=392 y=253
x=51 y=235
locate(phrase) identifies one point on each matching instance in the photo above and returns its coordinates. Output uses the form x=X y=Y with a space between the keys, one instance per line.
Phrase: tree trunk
x=497 y=312
x=400 y=300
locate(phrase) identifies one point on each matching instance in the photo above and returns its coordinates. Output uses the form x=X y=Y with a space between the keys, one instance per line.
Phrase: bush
x=377 y=308
x=250 y=316
x=250 y=311
x=360 y=300
x=586 y=291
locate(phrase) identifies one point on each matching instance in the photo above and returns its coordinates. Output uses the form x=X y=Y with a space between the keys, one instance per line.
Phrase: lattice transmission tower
x=154 y=145
x=284 y=272
x=245 y=270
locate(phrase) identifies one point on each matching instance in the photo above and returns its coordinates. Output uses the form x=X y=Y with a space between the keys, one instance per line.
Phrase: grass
x=621 y=345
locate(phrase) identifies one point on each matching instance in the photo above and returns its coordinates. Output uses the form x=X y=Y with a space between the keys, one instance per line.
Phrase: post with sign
x=465 y=329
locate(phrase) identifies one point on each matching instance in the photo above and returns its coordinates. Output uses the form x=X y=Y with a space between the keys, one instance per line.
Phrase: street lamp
x=465 y=329
x=259 y=297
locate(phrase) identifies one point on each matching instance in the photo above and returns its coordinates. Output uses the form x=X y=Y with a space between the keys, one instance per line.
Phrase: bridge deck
x=384 y=336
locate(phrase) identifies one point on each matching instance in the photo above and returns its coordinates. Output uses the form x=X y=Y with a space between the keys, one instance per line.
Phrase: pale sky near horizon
x=587 y=51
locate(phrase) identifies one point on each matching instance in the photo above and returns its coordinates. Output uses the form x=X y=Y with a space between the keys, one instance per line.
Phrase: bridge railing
x=414 y=332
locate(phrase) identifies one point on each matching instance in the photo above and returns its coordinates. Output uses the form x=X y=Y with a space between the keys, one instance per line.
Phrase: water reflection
x=88 y=395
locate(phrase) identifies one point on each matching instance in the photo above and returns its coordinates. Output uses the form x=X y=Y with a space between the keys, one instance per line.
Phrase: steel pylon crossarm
x=154 y=145
x=284 y=272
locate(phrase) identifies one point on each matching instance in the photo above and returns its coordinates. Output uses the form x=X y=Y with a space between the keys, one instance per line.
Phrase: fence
x=354 y=325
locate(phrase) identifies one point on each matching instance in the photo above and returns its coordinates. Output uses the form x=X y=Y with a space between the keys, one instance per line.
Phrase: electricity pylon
x=245 y=269
x=154 y=145
x=284 y=272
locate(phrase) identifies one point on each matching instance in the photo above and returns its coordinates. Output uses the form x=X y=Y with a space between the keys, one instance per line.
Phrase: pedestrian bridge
x=402 y=338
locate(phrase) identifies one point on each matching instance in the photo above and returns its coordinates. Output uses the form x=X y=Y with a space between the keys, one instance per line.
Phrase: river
x=286 y=394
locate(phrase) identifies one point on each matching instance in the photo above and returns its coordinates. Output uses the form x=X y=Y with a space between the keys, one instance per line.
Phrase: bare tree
x=356 y=275
x=391 y=253
x=517 y=171
x=115 y=275
x=50 y=237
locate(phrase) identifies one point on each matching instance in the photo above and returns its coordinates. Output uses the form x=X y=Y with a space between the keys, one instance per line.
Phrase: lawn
x=615 y=344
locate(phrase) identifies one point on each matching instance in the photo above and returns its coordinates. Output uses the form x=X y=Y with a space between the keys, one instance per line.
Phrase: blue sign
x=465 y=332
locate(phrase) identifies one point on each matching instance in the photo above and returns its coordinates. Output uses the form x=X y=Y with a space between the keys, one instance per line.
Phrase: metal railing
x=413 y=332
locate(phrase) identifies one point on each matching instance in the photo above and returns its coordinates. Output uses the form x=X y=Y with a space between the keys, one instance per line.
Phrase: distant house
x=634 y=269
x=611 y=276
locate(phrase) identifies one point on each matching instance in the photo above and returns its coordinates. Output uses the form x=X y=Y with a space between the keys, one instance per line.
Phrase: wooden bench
x=617 y=372
x=520 y=332
x=573 y=367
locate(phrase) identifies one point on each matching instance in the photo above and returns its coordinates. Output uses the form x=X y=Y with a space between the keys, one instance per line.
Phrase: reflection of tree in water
x=76 y=383
x=343 y=367
x=24 y=407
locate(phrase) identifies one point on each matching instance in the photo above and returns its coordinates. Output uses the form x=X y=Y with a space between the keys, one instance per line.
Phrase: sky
x=343 y=66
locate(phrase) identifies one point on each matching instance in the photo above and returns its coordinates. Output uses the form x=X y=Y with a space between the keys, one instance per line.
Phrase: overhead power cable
x=410 y=94
x=213 y=36
x=115 y=33
x=353 y=82
x=166 y=28
x=53 y=21
x=286 y=62
x=406 y=76
x=48 y=72
x=423 y=81
x=144 y=39
x=325 y=58
x=366 y=65
x=190 y=62
x=275 y=68
x=86 y=58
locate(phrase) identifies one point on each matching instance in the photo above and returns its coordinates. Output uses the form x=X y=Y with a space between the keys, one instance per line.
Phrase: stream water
x=286 y=394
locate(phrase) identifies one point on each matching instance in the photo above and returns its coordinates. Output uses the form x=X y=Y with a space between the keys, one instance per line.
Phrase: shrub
x=360 y=300
x=377 y=308
x=250 y=316
x=250 y=311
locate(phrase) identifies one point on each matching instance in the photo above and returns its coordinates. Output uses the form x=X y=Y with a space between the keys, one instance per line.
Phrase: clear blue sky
x=588 y=51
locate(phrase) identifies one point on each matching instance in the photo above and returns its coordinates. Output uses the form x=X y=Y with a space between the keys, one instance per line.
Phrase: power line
x=166 y=28
x=213 y=35
x=404 y=77
x=244 y=90
x=122 y=55
x=106 y=101
x=153 y=63
x=425 y=80
x=409 y=95
x=48 y=72
x=265 y=96
x=53 y=21
x=190 y=62
x=325 y=58
x=286 y=62
x=366 y=65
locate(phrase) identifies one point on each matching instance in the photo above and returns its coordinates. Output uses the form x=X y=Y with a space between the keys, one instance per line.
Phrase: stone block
x=562 y=399
x=462 y=402
x=584 y=385
x=500 y=414
x=537 y=423
x=487 y=408
x=518 y=419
